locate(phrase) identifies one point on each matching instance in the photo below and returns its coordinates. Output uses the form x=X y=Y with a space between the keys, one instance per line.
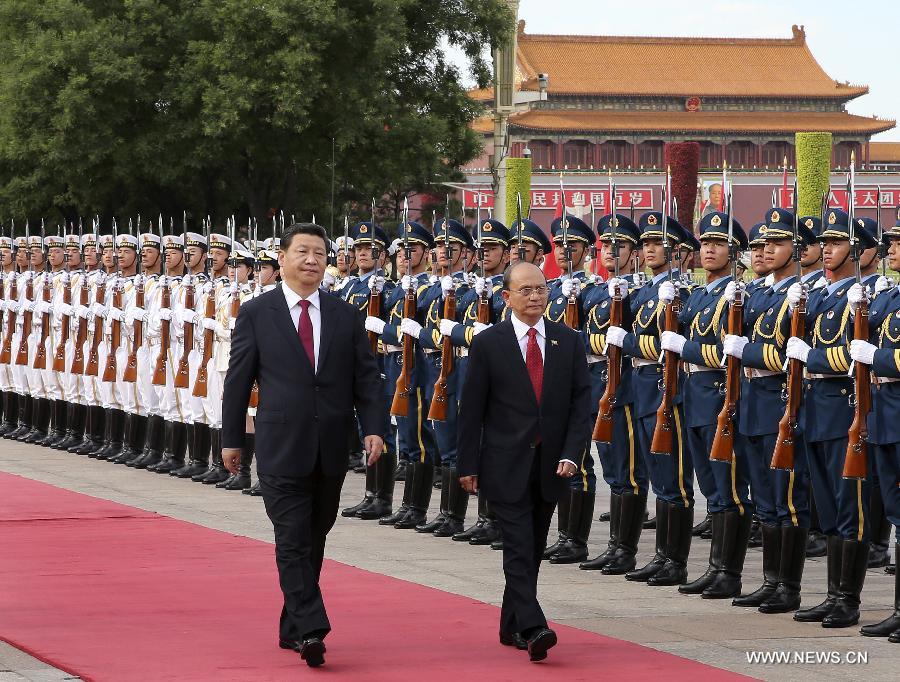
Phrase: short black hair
x=507 y=274
x=304 y=228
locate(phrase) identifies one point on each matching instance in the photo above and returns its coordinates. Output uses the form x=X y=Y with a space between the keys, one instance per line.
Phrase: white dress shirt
x=521 y=330
x=315 y=314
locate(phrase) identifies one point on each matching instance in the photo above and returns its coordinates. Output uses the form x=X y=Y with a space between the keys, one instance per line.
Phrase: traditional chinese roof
x=593 y=121
x=884 y=152
x=684 y=67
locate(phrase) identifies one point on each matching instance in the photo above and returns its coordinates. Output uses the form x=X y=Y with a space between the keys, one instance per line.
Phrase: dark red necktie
x=534 y=363
x=305 y=331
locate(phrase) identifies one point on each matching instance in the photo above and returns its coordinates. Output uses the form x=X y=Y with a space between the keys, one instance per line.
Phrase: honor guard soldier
x=414 y=429
x=19 y=351
x=670 y=474
x=529 y=240
x=623 y=468
x=9 y=312
x=369 y=292
x=345 y=262
x=576 y=510
x=780 y=497
x=826 y=415
x=882 y=354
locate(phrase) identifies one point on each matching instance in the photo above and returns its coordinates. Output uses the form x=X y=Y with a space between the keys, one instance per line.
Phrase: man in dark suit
x=309 y=354
x=524 y=422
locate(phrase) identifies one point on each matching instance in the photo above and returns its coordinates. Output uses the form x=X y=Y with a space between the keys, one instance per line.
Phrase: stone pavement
x=710 y=631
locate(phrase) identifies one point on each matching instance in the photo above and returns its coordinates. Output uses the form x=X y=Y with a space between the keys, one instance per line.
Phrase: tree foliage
x=233 y=106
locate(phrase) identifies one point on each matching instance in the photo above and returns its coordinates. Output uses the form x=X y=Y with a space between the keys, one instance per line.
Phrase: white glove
x=187 y=316
x=798 y=349
x=666 y=292
x=376 y=284
x=615 y=336
x=617 y=283
x=65 y=310
x=734 y=345
x=447 y=285
x=432 y=280
x=593 y=279
x=410 y=327
x=571 y=287
x=407 y=282
x=135 y=315
x=232 y=321
x=187 y=280
x=208 y=287
x=165 y=313
x=862 y=351
x=42 y=307
x=479 y=327
x=375 y=324
x=12 y=306
x=29 y=305
x=209 y=323
x=856 y=294
x=672 y=342
x=730 y=294
x=117 y=314
x=99 y=310
x=480 y=285
x=470 y=279
x=82 y=311
x=328 y=281
x=447 y=327
x=882 y=284
x=769 y=280
x=794 y=293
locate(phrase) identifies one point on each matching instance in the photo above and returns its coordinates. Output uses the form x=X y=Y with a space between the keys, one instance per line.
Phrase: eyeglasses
x=528 y=291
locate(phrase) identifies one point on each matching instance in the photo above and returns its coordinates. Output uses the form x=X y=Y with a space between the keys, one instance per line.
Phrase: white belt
x=429 y=351
x=463 y=352
x=754 y=373
x=691 y=368
x=826 y=376
x=885 y=380
x=594 y=359
x=640 y=362
x=392 y=349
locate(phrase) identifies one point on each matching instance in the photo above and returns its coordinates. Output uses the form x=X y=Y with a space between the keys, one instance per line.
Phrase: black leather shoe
x=254 y=490
x=514 y=639
x=312 y=651
x=540 y=643
x=376 y=509
x=290 y=644
x=604 y=517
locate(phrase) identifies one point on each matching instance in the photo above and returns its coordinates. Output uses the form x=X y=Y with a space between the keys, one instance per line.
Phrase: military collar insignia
x=606 y=303
x=830 y=314
x=559 y=300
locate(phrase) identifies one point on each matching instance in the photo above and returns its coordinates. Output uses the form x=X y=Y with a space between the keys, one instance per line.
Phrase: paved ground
x=710 y=631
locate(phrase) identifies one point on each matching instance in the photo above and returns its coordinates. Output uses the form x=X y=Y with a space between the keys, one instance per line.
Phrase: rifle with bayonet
x=603 y=426
x=160 y=368
x=27 y=315
x=374 y=298
x=12 y=294
x=400 y=403
x=77 y=367
x=40 y=357
x=483 y=313
x=100 y=299
x=111 y=369
x=236 y=300
x=137 y=340
x=59 y=358
x=520 y=244
x=201 y=383
x=571 y=315
x=182 y=374
x=438 y=409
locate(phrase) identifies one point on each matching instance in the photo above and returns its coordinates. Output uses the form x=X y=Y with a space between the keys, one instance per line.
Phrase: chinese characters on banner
x=575 y=198
x=864 y=197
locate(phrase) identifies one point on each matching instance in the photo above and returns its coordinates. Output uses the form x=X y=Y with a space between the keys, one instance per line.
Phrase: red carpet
x=109 y=592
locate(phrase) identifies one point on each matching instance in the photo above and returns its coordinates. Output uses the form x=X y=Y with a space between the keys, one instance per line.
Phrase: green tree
x=227 y=106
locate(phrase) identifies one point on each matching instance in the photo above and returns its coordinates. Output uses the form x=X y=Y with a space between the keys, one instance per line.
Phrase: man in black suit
x=524 y=421
x=309 y=354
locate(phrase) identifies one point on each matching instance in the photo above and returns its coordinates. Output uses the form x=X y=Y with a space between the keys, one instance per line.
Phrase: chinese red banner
x=575 y=198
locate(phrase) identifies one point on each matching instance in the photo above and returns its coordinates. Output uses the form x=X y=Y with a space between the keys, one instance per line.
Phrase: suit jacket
x=301 y=413
x=500 y=419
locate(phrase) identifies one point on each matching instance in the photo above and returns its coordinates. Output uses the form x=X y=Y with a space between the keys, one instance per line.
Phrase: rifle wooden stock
x=27 y=321
x=201 y=383
x=400 y=403
x=159 y=370
x=603 y=427
x=80 y=335
x=438 y=409
x=130 y=373
x=723 y=442
x=665 y=415
x=40 y=356
x=112 y=366
x=571 y=316
x=13 y=295
x=856 y=460
x=783 y=455
x=59 y=358
x=374 y=311
x=182 y=374
x=93 y=363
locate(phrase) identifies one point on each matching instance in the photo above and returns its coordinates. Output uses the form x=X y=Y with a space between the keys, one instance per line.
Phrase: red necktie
x=534 y=363
x=305 y=331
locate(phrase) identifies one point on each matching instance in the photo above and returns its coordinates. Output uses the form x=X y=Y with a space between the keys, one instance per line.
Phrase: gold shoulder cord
x=817 y=335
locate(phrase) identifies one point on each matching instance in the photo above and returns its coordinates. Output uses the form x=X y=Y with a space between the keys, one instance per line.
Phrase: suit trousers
x=302 y=510
x=524 y=525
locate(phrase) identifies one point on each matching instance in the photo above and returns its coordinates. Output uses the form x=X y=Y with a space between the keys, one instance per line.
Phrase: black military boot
x=57 y=429
x=476 y=527
x=603 y=558
x=400 y=471
x=116 y=436
x=771 y=561
x=457 y=504
x=562 y=523
x=498 y=543
x=144 y=456
x=879 y=550
x=423 y=478
x=755 y=539
x=659 y=558
x=103 y=444
x=678 y=546
x=172 y=442
x=817 y=613
x=10 y=412
x=817 y=541
x=891 y=623
x=717 y=527
x=126 y=454
x=786 y=597
x=76 y=423
x=26 y=414
x=217 y=471
x=854 y=561
x=199 y=440
x=65 y=422
x=158 y=435
x=40 y=422
x=440 y=519
x=581 y=515
x=368 y=496
x=399 y=515
x=633 y=510
x=211 y=454
x=241 y=480
x=383 y=500
x=93 y=431
x=727 y=581
x=705 y=526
